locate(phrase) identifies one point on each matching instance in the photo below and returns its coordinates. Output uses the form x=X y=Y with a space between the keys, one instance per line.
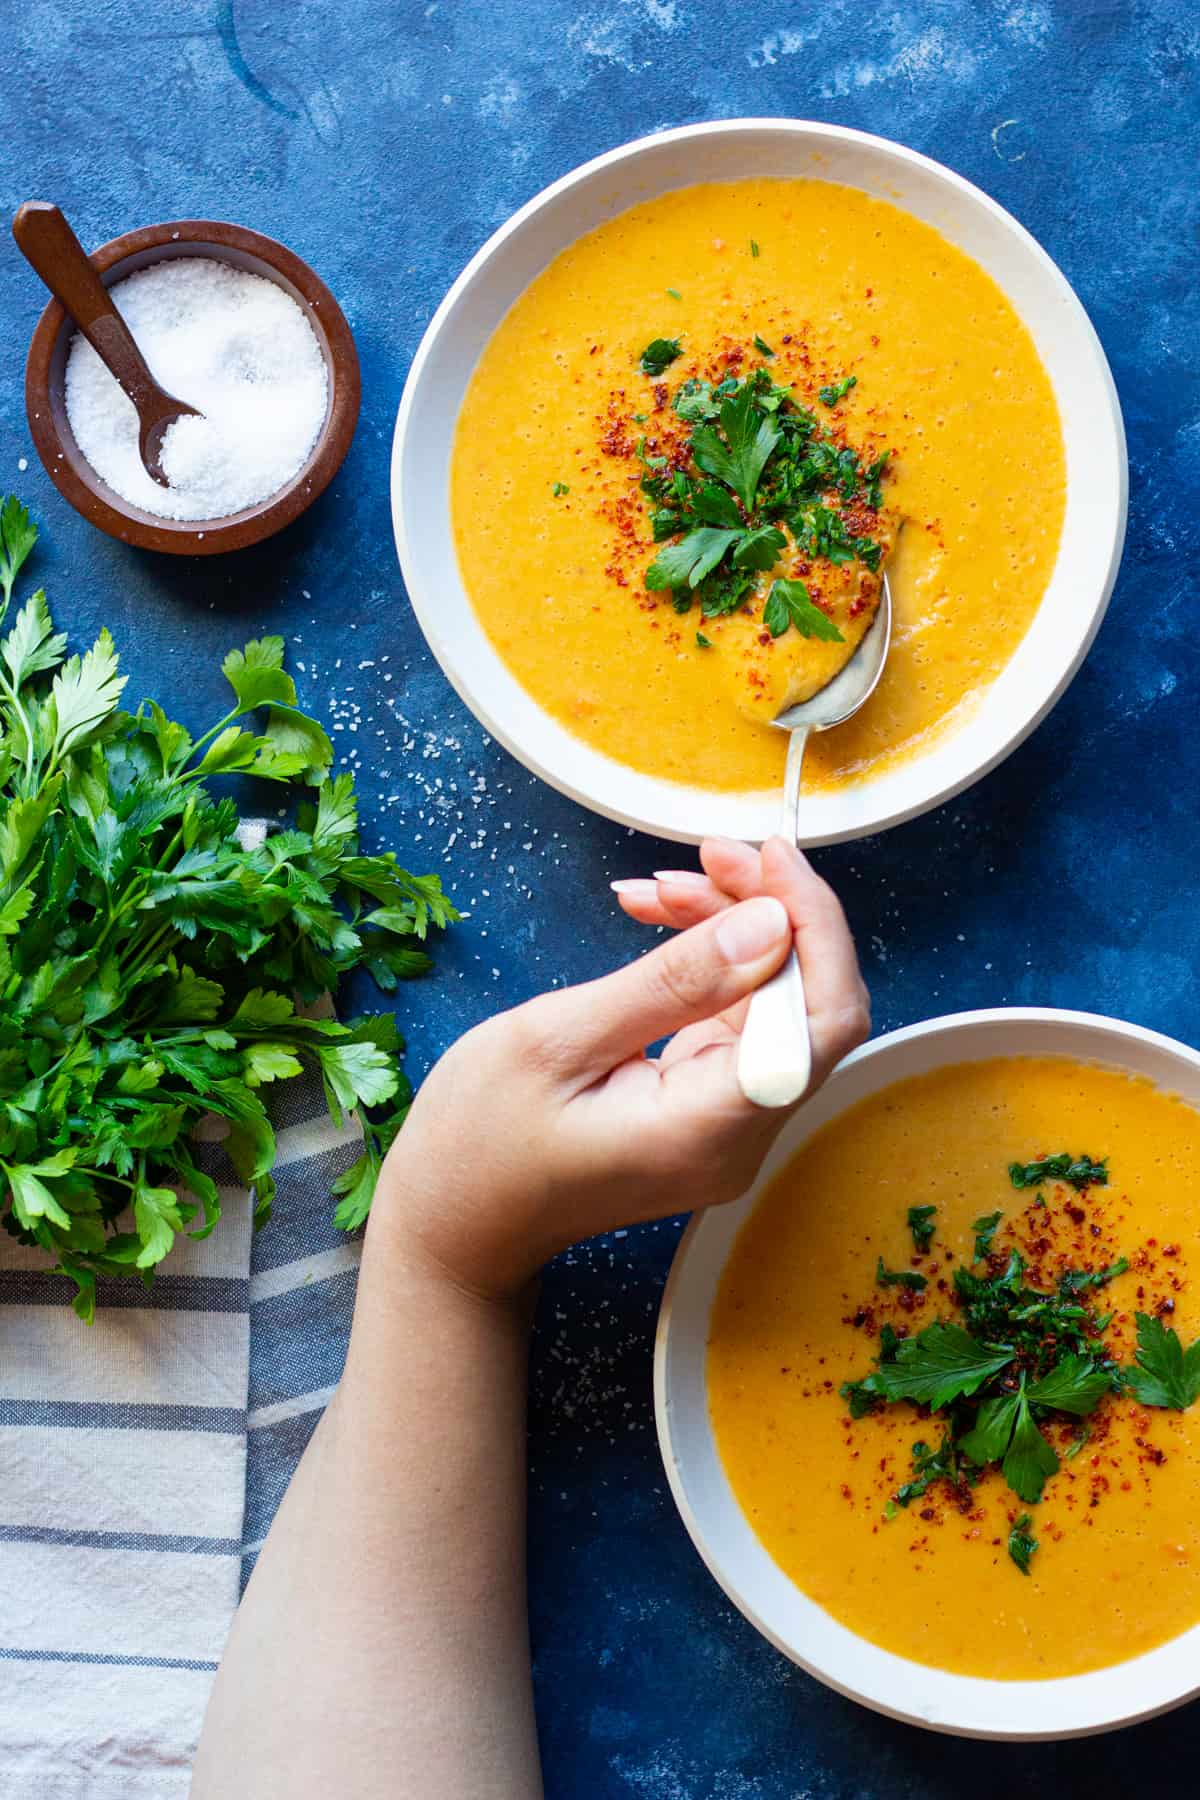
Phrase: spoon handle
x=775 y=1053
x=48 y=243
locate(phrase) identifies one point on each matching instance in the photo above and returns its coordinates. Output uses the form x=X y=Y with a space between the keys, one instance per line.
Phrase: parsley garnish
x=908 y=1278
x=152 y=969
x=929 y=1466
x=1079 y=1171
x=985 y=1230
x=1015 y=1358
x=761 y=469
x=788 y=603
x=675 y=293
x=1077 y=1281
x=559 y=487
x=1166 y=1374
x=829 y=396
x=702 y=642
x=1021 y=1545
x=763 y=348
x=920 y=1223
x=658 y=356
x=753 y=248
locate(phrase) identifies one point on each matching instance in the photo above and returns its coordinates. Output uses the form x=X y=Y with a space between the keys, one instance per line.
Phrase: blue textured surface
x=384 y=141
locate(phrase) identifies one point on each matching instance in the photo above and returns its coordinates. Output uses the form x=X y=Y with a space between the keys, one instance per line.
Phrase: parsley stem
x=216 y=731
x=14 y=701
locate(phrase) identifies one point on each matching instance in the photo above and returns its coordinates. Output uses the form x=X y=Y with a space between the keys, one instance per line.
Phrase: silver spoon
x=775 y=1055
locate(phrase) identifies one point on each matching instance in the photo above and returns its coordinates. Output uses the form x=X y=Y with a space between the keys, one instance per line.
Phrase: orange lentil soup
x=947 y=379
x=798 y=1313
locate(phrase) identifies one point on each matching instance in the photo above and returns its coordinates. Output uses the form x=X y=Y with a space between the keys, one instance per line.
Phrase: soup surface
x=554 y=535
x=1117 y=1568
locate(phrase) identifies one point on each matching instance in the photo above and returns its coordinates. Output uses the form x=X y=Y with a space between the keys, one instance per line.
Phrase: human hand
x=549 y=1123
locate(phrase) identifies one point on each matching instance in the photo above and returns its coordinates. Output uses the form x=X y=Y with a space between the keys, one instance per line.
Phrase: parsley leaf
x=751 y=439
x=702 y=642
x=788 y=603
x=988 y=1440
x=763 y=348
x=1021 y=1546
x=985 y=1230
x=1078 y=1281
x=256 y=675
x=920 y=1223
x=559 y=487
x=1075 y=1385
x=1166 y=1374
x=658 y=356
x=694 y=401
x=760 y=549
x=909 y=1278
x=1079 y=1171
x=940 y=1364
x=689 y=560
x=753 y=248
x=829 y=396
x=18 y=535
x=1031 y=1459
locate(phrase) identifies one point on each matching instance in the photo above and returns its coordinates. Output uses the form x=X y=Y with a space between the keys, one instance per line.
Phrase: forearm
x=382 y=1648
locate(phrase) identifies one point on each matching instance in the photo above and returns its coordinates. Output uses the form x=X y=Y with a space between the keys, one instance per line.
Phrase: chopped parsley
x=763 y=348
x=760 y=474
x=1077 y=1281
x=985 y=1230
x=559 y=487
x=675 y=293
x=829 y=396
x=1012 y=1360
x=1021 y=1545
x=1079 y=1171
x=658 y=356
x=920 y=1223
x=908 y=1278
x=702 y=642
x=753 y=248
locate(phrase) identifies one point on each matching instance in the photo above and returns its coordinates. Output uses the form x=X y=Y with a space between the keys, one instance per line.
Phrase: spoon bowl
x=854 y=682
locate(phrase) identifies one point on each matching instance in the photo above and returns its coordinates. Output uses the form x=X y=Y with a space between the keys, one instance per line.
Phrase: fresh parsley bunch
x=151 y=967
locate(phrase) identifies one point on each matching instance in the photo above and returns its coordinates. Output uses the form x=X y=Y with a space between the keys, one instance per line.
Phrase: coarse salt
x=234 y=346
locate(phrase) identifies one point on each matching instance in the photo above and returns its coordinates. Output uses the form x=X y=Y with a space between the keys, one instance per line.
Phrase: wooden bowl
x=73 y=475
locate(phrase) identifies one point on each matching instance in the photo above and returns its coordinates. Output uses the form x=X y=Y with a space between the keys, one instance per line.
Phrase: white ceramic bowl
x=1097 y=474
x=1071 y=1706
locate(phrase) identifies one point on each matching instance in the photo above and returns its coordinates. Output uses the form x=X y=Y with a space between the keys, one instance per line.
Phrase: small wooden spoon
x=47 y=241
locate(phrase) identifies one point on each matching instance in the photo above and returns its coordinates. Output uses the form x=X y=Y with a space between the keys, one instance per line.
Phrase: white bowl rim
x=668 y=809
x=1121 y=1694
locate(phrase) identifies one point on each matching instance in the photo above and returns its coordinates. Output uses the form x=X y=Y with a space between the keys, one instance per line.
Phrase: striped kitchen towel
x=123 y=1471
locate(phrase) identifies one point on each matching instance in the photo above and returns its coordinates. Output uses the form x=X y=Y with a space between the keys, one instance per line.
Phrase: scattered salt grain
x=233 y=345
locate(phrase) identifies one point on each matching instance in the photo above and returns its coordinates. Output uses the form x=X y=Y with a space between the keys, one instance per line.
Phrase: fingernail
x=681 y=878
x=796 y=857
x=632 y=886
x=752 y=930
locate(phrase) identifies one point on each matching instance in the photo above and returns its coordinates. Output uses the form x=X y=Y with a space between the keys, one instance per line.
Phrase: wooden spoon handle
x=49 y=244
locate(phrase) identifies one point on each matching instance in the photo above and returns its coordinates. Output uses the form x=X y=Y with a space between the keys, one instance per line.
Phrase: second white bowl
x=966 y=1705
